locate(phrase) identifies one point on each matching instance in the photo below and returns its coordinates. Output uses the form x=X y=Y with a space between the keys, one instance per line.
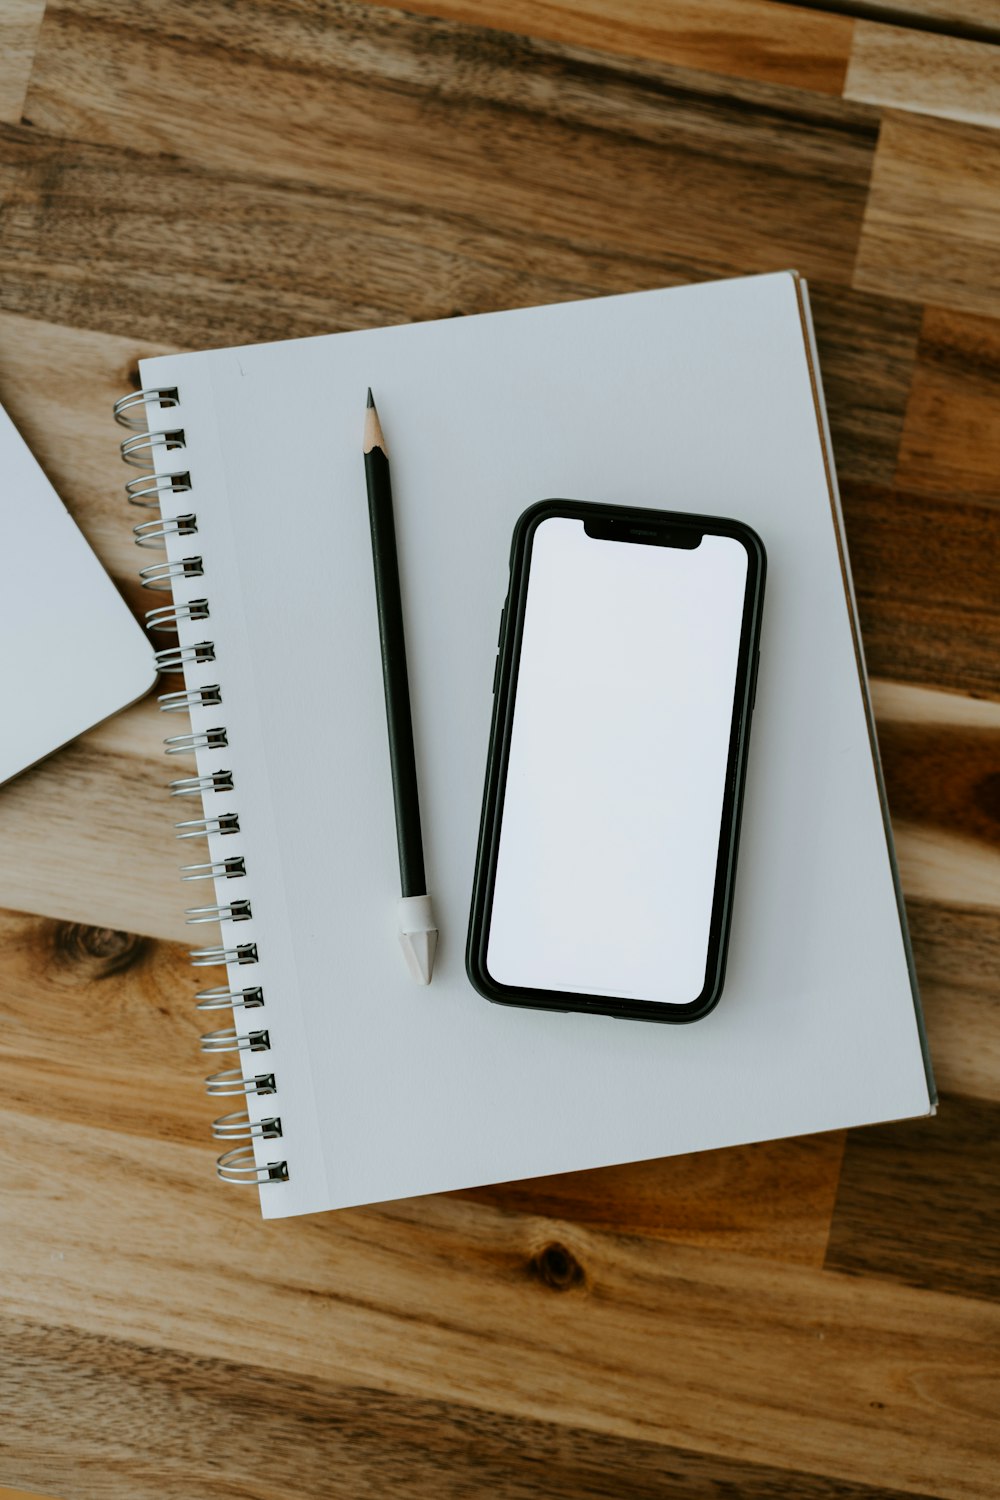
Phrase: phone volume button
x=496 y=674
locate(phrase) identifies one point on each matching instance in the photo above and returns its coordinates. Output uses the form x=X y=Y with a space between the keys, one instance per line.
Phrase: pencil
x=417 y=928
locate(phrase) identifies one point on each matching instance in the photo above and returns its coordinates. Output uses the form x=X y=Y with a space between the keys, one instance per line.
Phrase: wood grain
x=950 y=444
x=928 y=74
x=912 y=557
x=94 y=826
x=325 y=1437
x=19 y=23
x=957 y=952
x=752 y=39
x=594 y=163
x=451 y=1301
x=774 y=1199
x=902 y=1211
x=932 y=224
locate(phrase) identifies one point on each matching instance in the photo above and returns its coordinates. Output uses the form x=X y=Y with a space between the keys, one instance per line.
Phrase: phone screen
x=618 y=760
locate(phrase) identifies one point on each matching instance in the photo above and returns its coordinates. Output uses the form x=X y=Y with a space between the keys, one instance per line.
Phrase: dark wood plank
x=919 y=1201
x=867 y=350
x=944 y=776
x=84 y=1409
x=950 y=444
x=925 y=572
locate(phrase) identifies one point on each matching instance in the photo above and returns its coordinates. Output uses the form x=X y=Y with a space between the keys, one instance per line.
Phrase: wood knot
x=133 y=377
x=557 y=1267
x=103 y=950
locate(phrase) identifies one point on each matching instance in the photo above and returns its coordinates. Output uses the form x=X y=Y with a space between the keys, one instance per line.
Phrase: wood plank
x=926 y=73
x=482 y=171
x=738 y=38
x=19 y=24
x=447 y=1300
x=932 y=225
x=925 y=574
x=867 y=350
x=950 y=443
x=973 y=18
x=151 y=1416
x=919 y=1201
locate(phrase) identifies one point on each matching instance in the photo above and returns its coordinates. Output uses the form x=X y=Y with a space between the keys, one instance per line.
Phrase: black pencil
x=418 y=933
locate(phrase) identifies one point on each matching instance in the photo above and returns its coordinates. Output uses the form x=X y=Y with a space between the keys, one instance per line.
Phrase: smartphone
x=623 y=693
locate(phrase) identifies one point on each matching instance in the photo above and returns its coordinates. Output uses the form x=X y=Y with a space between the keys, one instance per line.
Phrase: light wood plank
x=925 y=72
x=752 y=39
x=931 y=228
x=977 y=18
x=19 y=24
x=453 y=1301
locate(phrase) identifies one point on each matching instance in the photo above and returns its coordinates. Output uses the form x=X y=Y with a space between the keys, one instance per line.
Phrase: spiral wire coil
x=146 y=490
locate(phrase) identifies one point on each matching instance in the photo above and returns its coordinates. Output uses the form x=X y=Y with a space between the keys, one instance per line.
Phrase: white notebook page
x=692 y=399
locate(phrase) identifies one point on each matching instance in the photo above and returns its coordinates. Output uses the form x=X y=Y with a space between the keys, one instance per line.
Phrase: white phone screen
x=619 y=748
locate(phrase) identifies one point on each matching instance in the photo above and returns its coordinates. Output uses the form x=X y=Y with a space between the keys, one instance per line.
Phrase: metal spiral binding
x=240 y=1166
x=175 y=658
x=221 y=998
x=236 y=911
x=239 y=1127
x=208 y=739
x=217 y=869
x=145 y=490
x=231 y=1040
x=141 y=449
x=168 y=615
x=192 y=786
x=202 y=697
x=155 y=533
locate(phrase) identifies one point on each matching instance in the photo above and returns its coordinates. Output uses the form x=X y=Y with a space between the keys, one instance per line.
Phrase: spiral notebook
x=340 y=1082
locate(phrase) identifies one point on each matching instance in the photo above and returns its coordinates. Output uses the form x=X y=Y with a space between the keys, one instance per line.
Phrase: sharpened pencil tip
x=371 y=398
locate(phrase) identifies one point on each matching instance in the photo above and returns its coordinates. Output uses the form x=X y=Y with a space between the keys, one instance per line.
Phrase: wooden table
x=813 y=1318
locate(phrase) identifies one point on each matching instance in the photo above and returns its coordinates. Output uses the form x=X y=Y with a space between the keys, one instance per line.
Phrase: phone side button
x=496 y=674
x=756 y=669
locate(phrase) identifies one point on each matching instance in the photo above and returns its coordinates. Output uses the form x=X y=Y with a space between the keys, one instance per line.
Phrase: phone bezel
x=505 y=692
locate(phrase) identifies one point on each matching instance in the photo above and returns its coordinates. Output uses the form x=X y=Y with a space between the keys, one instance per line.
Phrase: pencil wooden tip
x=373 y=427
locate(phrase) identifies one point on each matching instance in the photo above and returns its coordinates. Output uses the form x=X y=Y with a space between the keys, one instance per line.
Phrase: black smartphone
x=623 y=694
